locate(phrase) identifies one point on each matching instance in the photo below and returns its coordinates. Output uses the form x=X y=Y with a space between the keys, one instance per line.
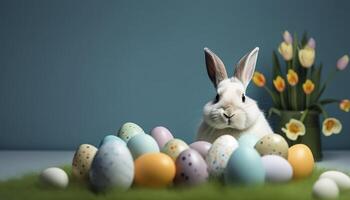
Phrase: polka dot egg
x=272 y=144
x=82 y=160
x=191 y=168
x=174 y=147
x=129 y=130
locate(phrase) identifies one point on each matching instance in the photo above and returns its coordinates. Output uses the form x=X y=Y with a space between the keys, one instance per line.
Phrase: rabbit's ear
x=245 y=68
x=215 y=67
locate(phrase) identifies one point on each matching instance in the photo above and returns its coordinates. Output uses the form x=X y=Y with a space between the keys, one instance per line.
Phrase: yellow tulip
x=259 y=79
x=286 y=50
x=279 y=84
x=307 y=56
x=308 y=87
x=345 y=105
x=294 y=128
x=330 y=126
x=292 y=77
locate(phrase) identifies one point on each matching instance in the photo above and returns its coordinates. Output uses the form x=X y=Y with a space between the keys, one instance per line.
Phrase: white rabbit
x=232 y=112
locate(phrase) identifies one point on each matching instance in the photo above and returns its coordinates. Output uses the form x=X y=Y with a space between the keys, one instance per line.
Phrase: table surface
x=14 y=164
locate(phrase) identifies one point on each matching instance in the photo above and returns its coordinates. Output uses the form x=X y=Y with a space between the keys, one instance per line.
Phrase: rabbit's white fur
x=232 y=112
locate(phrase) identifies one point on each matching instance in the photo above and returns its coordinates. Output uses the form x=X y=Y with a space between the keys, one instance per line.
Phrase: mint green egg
x=245 y=167
x=248 y=140
x=142 y=144
x=129 y=130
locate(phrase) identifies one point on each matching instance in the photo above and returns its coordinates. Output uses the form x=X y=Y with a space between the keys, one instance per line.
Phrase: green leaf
x=321 y=109
x=316 y=79
x=320 y=92
x=295 y=60
x=304 y=39
x=275 y=111
x=328 y=101
x=276 y=71
x=276 y=67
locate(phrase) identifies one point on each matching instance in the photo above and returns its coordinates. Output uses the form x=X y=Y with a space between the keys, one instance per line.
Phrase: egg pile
x=329 y=184
x=134 y=158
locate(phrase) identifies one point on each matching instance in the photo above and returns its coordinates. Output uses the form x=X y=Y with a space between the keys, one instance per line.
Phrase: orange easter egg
x=154 y=170
x=302 y=161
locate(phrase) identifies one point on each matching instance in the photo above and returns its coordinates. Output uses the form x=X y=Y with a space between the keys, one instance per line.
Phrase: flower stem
x=307 y=101
x=282 y=101
x=271 y=94
x=302 y=118
x=294 y=98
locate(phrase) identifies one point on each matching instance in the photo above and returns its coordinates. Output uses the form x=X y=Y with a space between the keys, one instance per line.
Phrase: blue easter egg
x=142 y=144
x=245 y=167
x=109 y=138
x=112 y=167
x=248 y=140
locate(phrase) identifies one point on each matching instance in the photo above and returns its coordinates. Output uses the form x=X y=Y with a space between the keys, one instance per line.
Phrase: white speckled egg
x=340 y=178
x=219 y=154
x=277 y=169
x=129 y=130
x=113 y=166
x=272 y=144
x=325 y=188
x=55 y=177
x=82 y=160
x=174 y=147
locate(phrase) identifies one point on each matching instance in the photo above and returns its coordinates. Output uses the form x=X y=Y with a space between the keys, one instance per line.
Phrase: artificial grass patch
x=29 y=188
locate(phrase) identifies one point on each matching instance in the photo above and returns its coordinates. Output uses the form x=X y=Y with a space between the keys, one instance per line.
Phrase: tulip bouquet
x=297 y=86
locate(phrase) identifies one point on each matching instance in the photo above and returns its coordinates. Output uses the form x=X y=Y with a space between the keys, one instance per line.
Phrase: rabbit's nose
x=228 y=116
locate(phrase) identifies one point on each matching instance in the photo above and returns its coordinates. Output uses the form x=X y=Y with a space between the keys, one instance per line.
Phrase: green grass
x=29 y=188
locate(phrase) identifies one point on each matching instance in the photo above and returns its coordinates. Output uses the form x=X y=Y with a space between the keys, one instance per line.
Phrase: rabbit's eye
x=243 y=98
x=217 y=98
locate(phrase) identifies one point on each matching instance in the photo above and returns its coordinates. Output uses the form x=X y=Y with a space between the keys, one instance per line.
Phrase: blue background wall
x=74 y=71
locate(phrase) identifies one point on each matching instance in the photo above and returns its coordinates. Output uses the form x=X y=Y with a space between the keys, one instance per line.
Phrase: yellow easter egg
x=302 y=161
x=154 y=170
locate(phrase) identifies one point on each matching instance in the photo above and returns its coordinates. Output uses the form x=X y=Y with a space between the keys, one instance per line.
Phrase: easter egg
x=245 y=167
x=110 y=138
x=82 y=160
x=277 y=169
x=325 y=188
x=129 y=130
x=219 y=154
x=272 y=144
x=248 y=140
x=142 y=144
x=301 y=159
x=201 y=147
x=162 y=135
x=112 y=166
x=154 y=170
x=174 y=147
x=191 y=169
x=54 y=177
x=341 y=179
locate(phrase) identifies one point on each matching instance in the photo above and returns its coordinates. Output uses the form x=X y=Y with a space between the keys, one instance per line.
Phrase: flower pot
x=312 y=137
